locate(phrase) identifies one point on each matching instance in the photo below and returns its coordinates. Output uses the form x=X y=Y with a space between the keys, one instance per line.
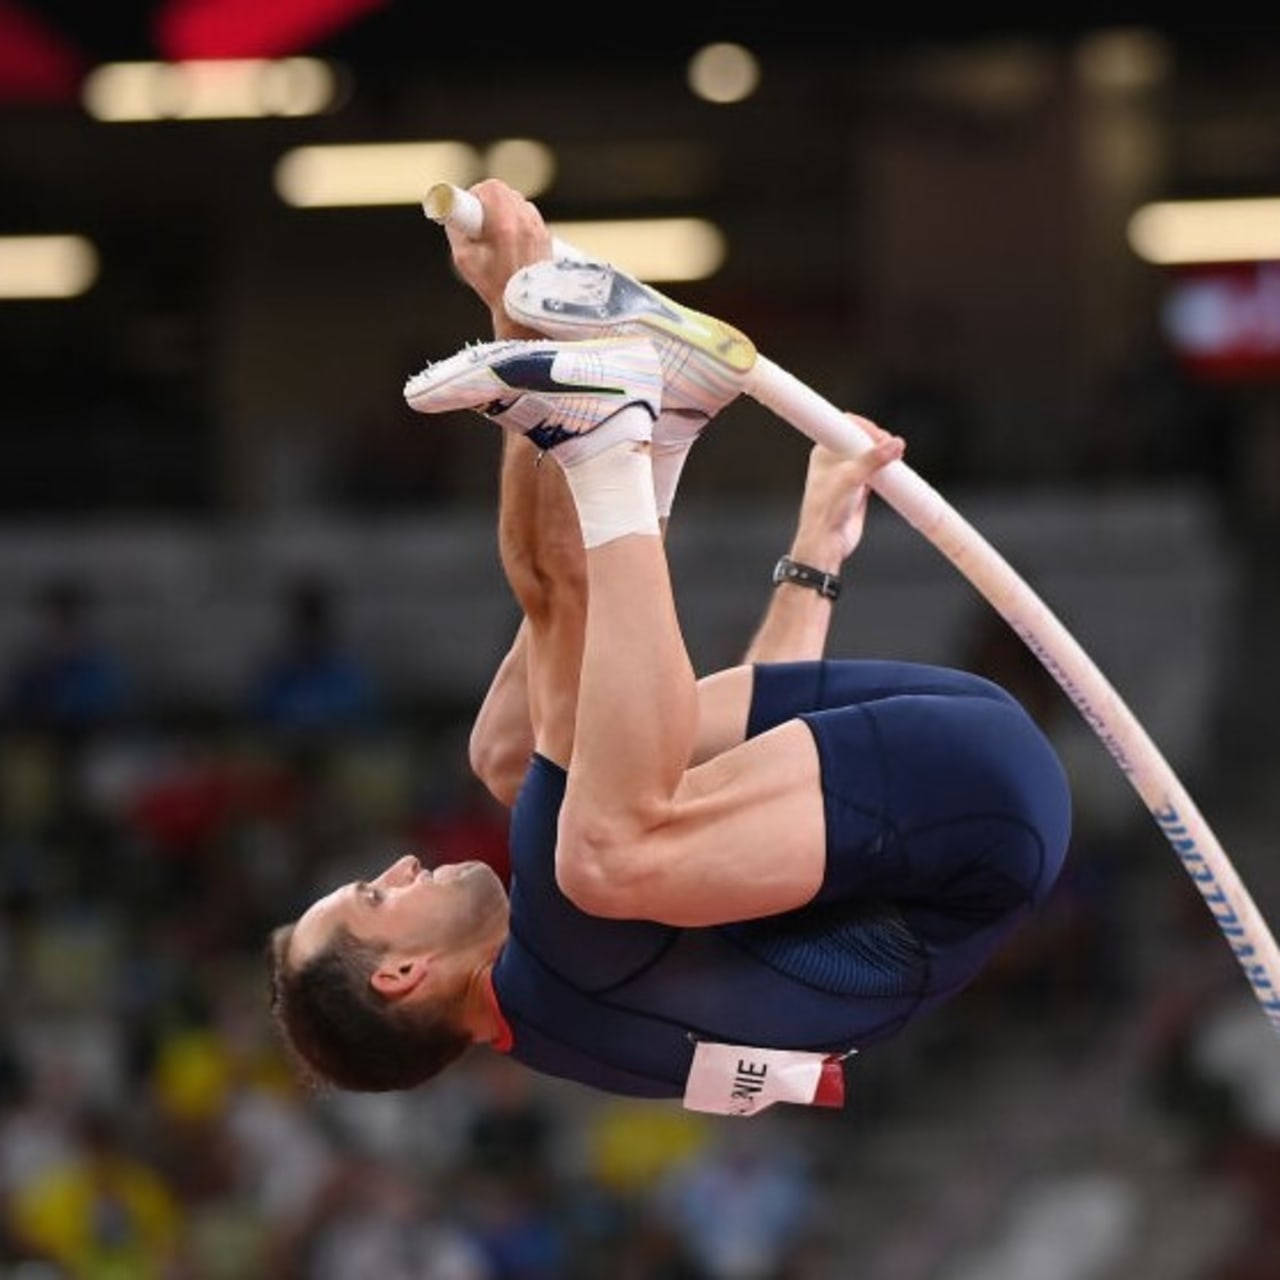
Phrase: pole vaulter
x=1119 y=730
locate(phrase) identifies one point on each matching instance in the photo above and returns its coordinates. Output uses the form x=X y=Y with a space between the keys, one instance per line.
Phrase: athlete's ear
x=396 y=978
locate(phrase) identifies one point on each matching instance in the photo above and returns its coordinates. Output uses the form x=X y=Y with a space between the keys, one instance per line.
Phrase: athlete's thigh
x=743 y=836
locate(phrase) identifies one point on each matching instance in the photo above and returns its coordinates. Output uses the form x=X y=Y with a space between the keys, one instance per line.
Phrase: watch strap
x=805 y=575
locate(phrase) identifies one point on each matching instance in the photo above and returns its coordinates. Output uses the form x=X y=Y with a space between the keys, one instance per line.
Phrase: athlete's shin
x=538 y=534
x=545 y=564
x=637 y=700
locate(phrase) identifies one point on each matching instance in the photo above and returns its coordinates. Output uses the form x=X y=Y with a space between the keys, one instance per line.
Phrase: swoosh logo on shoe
x=533 y=373
x=546 y=435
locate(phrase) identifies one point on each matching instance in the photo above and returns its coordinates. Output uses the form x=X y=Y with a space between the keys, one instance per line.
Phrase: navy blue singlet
x=947 y=819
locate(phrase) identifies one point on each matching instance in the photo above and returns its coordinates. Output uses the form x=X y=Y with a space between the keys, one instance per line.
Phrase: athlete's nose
x=402 y=871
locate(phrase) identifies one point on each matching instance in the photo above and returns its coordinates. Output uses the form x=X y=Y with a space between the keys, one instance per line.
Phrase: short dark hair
x=344 y=1030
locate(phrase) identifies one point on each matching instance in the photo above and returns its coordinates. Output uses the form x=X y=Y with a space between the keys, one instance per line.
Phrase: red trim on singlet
x=830 y=1090
x=505 y=1041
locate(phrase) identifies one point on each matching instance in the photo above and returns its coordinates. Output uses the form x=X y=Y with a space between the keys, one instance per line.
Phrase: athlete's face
x=410 y=911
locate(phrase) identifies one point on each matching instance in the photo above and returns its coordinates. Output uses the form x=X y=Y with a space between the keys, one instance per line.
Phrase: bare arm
x=795 y=625
x=502 y=735
x=829 y=528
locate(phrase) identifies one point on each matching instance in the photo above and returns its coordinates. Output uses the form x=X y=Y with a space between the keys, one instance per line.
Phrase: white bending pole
x=920 y=504
x=924 y=508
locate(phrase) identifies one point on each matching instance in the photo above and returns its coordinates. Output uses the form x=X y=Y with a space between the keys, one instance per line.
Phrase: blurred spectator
x=741 y=1208
x=509 y=1131
x=103 y=1214
x=1233 y=1048
x=515 y=1214
x=281 y=1155
x=35 y=1134
x=67 y=678
x=374 y=1225
x=518 y=1231
x=635 y=1145
x=1211 y=1057
x=313 y=683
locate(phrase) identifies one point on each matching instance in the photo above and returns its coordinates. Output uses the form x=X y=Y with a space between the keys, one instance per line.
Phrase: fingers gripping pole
x=1104 y=711
x=920 y=504
x=452 y=207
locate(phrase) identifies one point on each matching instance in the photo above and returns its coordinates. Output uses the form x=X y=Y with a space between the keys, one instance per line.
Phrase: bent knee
x=500 y=764
x=596 y=866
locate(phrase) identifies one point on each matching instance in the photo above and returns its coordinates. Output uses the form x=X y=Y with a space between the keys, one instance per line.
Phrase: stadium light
x=221 y=89
x=379 y=173
x=654 y=249
x=46 y=266
x=1174 y=232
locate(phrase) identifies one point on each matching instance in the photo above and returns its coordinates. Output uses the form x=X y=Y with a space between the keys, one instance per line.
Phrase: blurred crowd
x=153 y=1128
x=150 y=1123
x=1103 y=1103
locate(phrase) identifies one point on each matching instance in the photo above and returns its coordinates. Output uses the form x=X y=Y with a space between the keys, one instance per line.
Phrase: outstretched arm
x=795 y=625
x=502 y=735
x=514 y=235
x=828 y=531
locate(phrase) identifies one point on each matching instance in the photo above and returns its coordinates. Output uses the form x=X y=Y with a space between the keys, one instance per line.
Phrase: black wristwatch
x=805 y=575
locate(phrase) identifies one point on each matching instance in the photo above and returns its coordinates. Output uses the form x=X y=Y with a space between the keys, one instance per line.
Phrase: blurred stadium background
x=250 y=600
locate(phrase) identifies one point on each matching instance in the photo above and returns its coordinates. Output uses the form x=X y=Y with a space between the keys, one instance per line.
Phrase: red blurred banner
x=37 y=63
x=1223 y=322
x=251 y=28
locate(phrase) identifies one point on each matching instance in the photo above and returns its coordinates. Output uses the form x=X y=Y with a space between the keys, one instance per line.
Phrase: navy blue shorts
x=937 y=785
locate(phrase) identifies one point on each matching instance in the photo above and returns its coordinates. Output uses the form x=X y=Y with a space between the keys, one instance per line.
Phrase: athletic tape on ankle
x=614 y=493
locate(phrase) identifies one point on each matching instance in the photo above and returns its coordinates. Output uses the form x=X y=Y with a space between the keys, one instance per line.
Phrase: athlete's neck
x=481 y=1015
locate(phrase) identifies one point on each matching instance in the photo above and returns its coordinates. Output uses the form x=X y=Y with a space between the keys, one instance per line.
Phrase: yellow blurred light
x=297 y=86
x=46 y=266
x=522 y=163
x=651 y=248
x=1123 y=60
x=724 y=73
x=1190 y=231
x=216 y=90
x=221 y=89
x=120 y=91
x=379 y=173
